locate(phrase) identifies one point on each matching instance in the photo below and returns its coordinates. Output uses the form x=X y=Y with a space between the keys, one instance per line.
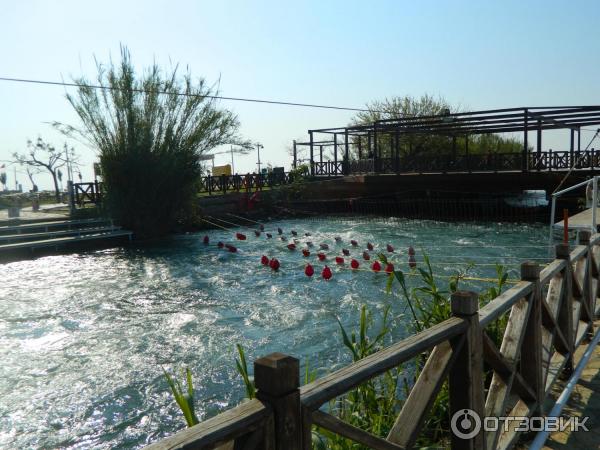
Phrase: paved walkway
x=584 y=401
x=46 y=212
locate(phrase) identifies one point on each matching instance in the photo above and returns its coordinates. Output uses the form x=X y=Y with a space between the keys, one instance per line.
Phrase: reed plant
x=184 y=398
x=149 y=130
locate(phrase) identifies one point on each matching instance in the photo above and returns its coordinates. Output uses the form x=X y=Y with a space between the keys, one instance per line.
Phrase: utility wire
x=214 y=97
x=185 y=94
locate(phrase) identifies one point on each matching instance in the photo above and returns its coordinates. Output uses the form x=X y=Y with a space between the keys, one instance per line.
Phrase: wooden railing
x=85 y=193
x=448 y=163
x=249 y=182
x=549 y=315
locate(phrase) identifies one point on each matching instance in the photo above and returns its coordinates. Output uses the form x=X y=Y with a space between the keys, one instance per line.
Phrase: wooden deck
x=57 y=242
x=8 y=238
x=46 y=226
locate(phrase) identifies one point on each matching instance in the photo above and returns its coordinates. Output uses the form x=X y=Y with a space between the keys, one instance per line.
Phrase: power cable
x=185 y=94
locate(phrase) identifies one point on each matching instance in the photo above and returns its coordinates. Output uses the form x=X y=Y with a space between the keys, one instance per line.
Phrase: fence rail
x=92 y=192
x=248 y=182
x=447 y=163
x=549 y=315
x=85 y=193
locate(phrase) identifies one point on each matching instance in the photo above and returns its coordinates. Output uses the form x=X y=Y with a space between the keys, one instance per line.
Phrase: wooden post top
x=530 y=270
x=464 y=303
x=277 y=374
x=562 y=251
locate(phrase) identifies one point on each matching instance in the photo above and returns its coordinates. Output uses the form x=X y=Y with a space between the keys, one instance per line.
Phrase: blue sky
x=476 y=54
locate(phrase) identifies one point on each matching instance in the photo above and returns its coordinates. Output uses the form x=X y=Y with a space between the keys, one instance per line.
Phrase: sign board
x=221 y=170
x=206 y=158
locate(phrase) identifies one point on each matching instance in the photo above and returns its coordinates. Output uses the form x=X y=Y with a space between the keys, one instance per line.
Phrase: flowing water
x=84 y=337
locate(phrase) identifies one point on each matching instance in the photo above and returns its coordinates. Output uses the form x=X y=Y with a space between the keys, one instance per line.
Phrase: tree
x=43 y=155
x=411 y=144
x=407 y=106
x=149 y=130
x=30 y=173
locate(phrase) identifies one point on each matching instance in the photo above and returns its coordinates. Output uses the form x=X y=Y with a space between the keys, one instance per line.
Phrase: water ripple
x=84 y=337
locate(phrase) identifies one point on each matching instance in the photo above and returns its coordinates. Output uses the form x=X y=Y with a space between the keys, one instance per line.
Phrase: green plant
x=295 y=189
x=149 y=131
x=374 y=405
x=364 y=346
x=299 y=172
x=185 y=399
x=242 y=368
x=495 y=330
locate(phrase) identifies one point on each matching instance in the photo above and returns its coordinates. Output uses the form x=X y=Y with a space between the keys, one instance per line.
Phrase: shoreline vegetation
x=374 y=405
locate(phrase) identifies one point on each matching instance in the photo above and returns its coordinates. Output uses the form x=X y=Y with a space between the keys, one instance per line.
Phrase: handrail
x=571 y=188
x=504 y=302
x=220 y=429
x=542 y=436
x=594 y=182
x=313 y=395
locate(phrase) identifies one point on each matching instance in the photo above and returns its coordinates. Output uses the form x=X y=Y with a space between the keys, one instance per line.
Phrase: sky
x=476 y=54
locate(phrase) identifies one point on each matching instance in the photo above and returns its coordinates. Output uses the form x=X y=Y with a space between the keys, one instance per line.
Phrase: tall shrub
x=149 y=130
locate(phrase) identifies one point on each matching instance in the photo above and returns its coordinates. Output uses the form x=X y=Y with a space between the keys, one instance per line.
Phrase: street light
x=258 y=147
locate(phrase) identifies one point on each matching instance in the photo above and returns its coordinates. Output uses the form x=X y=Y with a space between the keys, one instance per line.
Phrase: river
x=84 y=337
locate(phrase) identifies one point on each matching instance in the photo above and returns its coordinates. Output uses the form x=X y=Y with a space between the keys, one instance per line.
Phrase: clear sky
x=476 y=54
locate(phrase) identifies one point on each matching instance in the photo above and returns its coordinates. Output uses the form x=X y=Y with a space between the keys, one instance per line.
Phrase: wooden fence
x=435 y=162
x=249 y=182
x=550 y=313
x=81 y=194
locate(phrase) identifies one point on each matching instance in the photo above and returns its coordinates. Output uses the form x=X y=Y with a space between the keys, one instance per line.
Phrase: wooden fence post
x=531 y=349
x=565 y=312
x=587 y=312
x=277 y=379
x=466 y=375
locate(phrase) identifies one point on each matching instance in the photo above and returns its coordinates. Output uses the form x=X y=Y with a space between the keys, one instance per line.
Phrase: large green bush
x=149 y=131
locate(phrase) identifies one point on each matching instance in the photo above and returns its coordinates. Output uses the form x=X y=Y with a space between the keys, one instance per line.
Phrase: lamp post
x=258 y=147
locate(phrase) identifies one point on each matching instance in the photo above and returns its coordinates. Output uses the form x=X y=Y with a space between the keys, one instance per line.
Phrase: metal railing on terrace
x=442 y=163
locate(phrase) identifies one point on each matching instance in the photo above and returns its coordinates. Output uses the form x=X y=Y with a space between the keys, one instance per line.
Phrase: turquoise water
x=84 y=337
